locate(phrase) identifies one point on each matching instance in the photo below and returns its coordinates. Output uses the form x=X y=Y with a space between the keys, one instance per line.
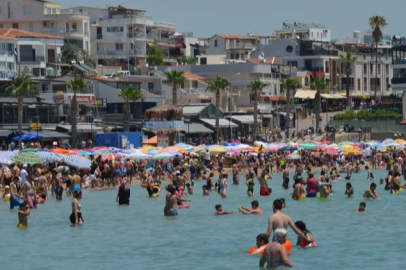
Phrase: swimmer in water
x=281 y=221
x=262 y=241
x=219 y=211
x=361 y=207
x=370 y=193
x=275 y=254
x=303 y=242
x=205 y=191
x=255 y=209
x=349 y=190
x=23 y=215
x=189 y=189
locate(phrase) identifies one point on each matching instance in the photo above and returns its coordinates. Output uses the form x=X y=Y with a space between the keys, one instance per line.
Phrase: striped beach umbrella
x=78 y=162
x=28 y=158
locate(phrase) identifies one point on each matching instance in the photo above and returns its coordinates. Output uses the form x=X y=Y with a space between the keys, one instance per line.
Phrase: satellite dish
x=261 y=56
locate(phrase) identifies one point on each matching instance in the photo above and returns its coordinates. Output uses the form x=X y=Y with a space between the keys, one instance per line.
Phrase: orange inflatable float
x=144 y=185
x=254 y=250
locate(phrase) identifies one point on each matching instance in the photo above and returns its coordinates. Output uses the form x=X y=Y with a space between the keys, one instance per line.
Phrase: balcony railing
x=36 y=60
x=310 y=52
x=124 y=53
x=163 y=39
x=62 y=32
x=139 y=35
x=234 y=46
x=399 y=80
x=399 y=62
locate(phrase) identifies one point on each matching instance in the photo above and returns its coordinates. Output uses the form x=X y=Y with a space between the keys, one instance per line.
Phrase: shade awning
x=337 y=96
x=403 y=122
x=328 y=96
x=242 y=119
x=305 y=94
x=223 y=123
x=194 y=128
x=153 y=140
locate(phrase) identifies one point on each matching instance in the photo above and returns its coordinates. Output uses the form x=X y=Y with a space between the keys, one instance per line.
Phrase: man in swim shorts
x=171 y=199
x=263 y=182
x=285 y=177
x=281 y=221
x=255 y=209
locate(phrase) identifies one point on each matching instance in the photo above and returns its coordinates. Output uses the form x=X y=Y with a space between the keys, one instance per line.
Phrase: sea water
x=140 y=237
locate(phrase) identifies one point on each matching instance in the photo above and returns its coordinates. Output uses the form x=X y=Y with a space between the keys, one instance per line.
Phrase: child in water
x=369 y=173
x=189 y=189
x=361 y=207
x=349 y=191
x=23 y=215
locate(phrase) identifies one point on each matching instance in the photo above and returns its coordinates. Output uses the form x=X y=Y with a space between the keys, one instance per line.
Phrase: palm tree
x=376 y=23
x=320 y=85
x=21 y=86
x=215 y=86
x=177 y=79
x=256 y=87
x=155 y=56
x=78 y=85
x=290 y=84
x=348 y=59
x=128 y=94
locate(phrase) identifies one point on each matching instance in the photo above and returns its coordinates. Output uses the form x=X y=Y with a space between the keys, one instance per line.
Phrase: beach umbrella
x=28 y=158
x=8 y=154
x=346 y=143
x=110 y=157
x=401 y=141
x=294 y=144
x=171 y=149
x=332 y=151
x=309 y=146
x=85 y=153
x=198 y=149
x=217 y=150
x=48 y=156
x=293 y=157
x=77 y=162
x=188 y=147
x=59 y=151
x=5 y=160
x=388 y=141
x=351 y=151
x=100 y=148
x=27 y=137
x=287 y=148
x=139 y=156
x=325 y=142
x=249 y=150
x=259 y=144
x=234 y=151
x=164 y=156
x=152 y=151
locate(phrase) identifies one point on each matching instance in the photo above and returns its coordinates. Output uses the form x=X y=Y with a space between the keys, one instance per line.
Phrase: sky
x=208 y=17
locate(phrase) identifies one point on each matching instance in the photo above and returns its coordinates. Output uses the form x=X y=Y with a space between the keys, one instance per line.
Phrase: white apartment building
x=305 y=31
x=121 y=35
x=235 y=47
x=399 y=66
x=48 y=18
x=30 y=53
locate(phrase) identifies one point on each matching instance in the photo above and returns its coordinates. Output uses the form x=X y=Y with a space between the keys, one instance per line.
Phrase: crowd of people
x=26 y=186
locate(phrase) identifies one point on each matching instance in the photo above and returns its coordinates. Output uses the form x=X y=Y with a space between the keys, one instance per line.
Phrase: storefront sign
x=164 y=125
x=163 y=140
x=100 y=102
x=59 y=97
x=8 y=75
x=83 y=99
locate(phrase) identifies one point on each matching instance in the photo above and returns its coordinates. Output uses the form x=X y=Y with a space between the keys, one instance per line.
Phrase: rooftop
x=249 y=36
x=192 y=76
x=16 y=33
x=300 y=26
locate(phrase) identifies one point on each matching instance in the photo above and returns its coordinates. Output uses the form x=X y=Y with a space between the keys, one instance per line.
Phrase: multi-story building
x=30 y=53
x=363 y=83
x=121 y=35
x=48 y=18
x=399 y=66
x=235 y=47
x=305 y=31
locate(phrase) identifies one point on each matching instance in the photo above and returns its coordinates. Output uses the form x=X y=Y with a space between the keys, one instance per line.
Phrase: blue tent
x=28 y=136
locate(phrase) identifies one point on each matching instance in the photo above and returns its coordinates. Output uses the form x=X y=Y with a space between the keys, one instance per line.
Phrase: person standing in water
x=76 y=216
x=303 y=242
x=250 y=183
x=23 y=214
x=255 y=209
x=264 y=190
x=171 y=202
x=275 y=254
x=123 y=195
x=370 y=193
x=281 y=221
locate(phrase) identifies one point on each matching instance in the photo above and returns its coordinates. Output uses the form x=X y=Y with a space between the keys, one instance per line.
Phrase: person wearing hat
x=24 y=174
x=275 y=253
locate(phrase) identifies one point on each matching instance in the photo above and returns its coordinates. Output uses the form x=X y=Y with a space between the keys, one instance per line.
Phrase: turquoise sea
x=140 y=237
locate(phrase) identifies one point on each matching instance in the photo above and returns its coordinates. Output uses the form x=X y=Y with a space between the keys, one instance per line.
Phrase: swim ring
x=7 y=197
x=254 y=250
x=157 y=193
x=144 y=185
x=301 y=197
x=397 y=192
x=184 y=206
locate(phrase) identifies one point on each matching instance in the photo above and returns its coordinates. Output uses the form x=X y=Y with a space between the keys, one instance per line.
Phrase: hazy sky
x=208 y=17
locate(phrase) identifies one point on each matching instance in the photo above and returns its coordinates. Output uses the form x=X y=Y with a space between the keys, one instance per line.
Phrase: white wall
x=320 y=34
x=221 y=46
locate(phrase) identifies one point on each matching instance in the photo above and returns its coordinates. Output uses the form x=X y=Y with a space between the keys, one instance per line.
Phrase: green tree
x=289 y=84
x=21 y=86
x=348 y=59
x=69 y=52
x=320 y=85
x=177 y=79
x=256 y=87
x=85 y=57
x=78 y=85
x=128 y=94
x=377 y=23
x=216 y=86
x=187 y=60
x=155 y=56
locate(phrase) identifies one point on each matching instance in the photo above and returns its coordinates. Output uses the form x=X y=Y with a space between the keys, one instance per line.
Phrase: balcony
x=63 y=32
x=114 y=54
x=36 y=60
x=136 y=35
x=165 y=42
x=399 y=80
x=240 y=46
x=399 y=62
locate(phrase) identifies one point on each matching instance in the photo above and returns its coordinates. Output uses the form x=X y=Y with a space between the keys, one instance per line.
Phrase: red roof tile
x=16 y=33
x=192 y=76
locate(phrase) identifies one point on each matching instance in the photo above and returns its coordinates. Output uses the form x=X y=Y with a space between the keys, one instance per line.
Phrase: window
x=203 y=61
x=387 y=84
x=151 y=86
x=67 y=27
x=31 y=27
x=53 y=10
x=215 y=43
x=365 y=69
x=27 y=9
x=86 y=25
x=195 y=84
x=358 y=84
x=10 y=47
x=237 y=56
x=379 y=68
x=289 y=49
x=252 y=97
x=74 y=27
x=2 y=47
x=371 y=68
x=119 y=47
x=3 y=65
x=318 y=34
x=387 y=69
x=49 y=10
x=14 y=26
x=365 y=84
x=87 y=46
x=114 y=29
